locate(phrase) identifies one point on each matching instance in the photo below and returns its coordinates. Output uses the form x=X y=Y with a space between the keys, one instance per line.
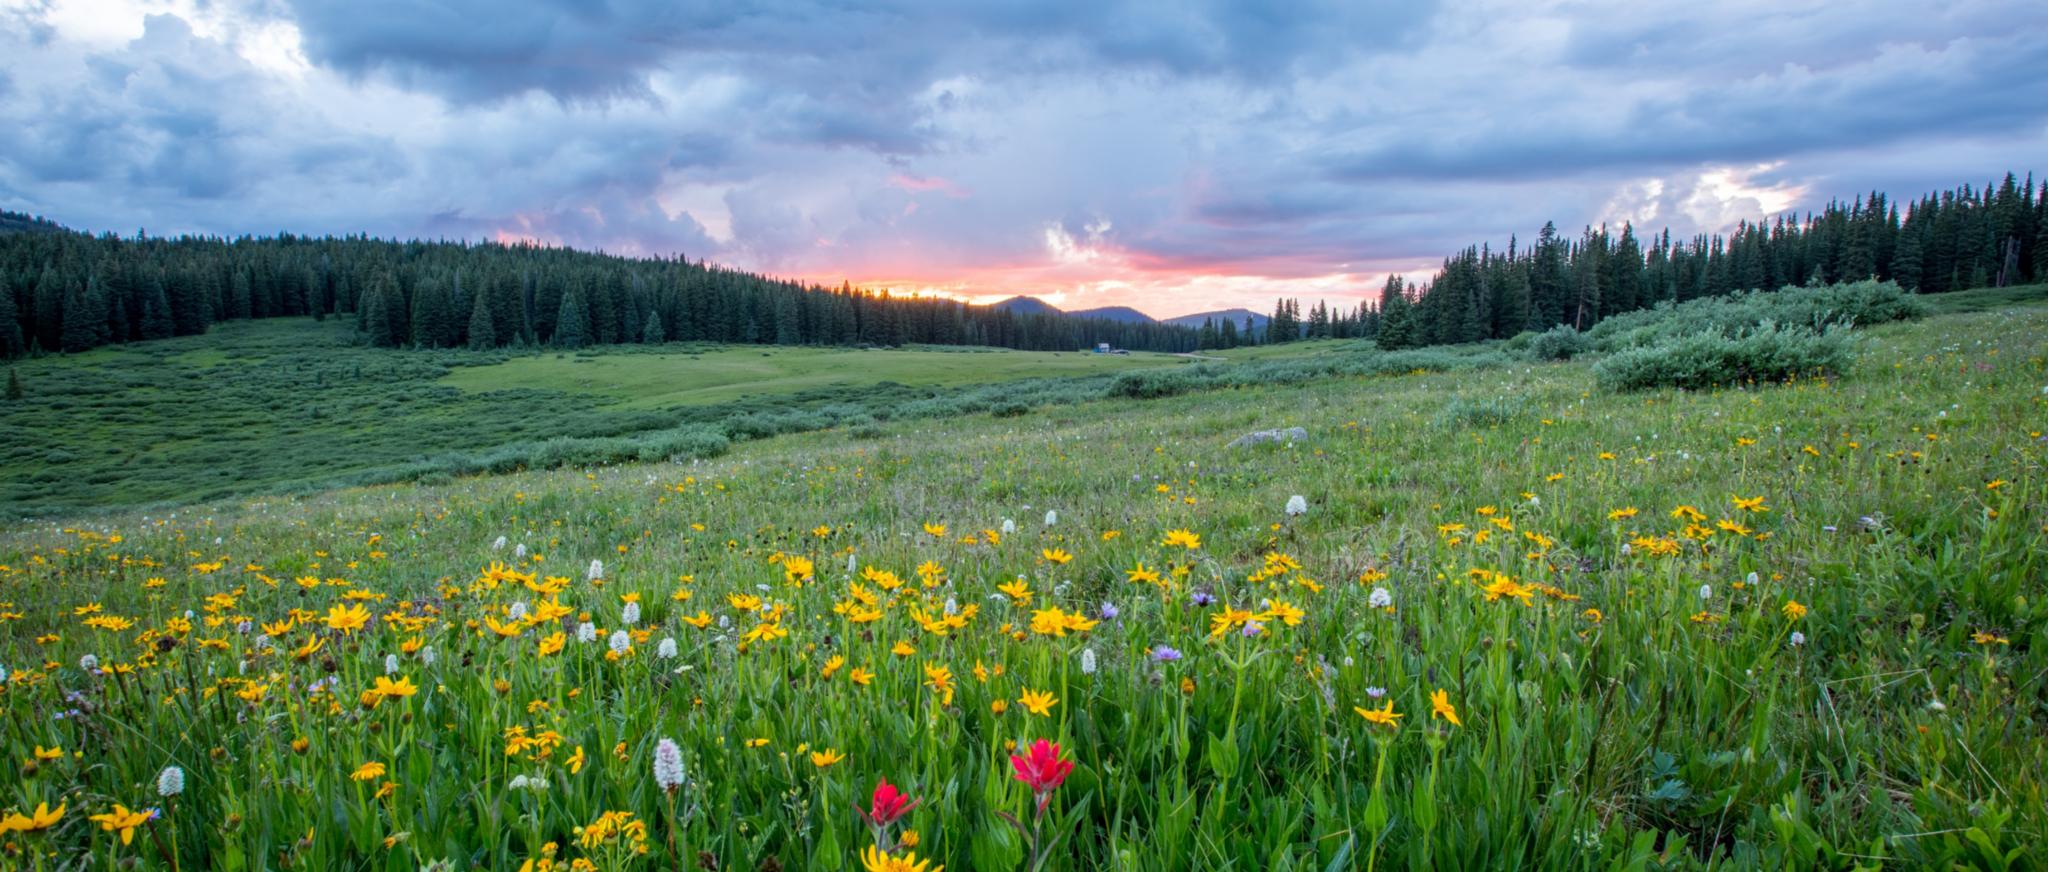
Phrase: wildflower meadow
x=1485 y=619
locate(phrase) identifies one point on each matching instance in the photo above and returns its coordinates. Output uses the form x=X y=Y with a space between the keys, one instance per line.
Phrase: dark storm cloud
x=1969 y=87
x=488 y=49
x=1118 y=139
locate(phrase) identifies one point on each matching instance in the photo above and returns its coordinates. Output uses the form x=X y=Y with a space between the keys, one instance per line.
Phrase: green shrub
x=1009 y=409
x=1145 y=384
x=1562 y=342
x=683 y=442
x=1713 y=359
x=1853 y=304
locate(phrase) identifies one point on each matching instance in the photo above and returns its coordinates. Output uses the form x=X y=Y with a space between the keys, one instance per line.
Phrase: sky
x=1172 y=155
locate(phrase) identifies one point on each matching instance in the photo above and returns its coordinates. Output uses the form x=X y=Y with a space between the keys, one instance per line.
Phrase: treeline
x=67 y=291
x=1948 y=241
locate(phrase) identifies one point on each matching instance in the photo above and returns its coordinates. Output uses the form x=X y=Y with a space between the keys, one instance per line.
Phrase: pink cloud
x=922 y=184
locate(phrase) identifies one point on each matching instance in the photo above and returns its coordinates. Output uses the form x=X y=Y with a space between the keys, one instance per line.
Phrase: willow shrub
x=1850 y=304
x=1769 y=353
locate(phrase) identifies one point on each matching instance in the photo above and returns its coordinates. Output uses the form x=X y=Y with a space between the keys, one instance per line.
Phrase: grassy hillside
x=659 y=380
x=1796 y=626
x=293 y=404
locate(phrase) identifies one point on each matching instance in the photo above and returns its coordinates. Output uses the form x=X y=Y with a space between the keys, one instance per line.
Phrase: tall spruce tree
x=483 y=331
x=85 y=317
x=572 y=326
x=12 y=345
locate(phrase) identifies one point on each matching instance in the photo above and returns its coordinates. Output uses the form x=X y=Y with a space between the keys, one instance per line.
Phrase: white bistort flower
x=596 y=570
x=668 y=765
x=1051 y=517
x=586 y=632
x=1087 y=661
x=1297 y=505
x=390 y=663
x=666 y=650
x=621 y=642
x=1380 y=598
x=498 y=545
x=88 y=663
x=631 y=614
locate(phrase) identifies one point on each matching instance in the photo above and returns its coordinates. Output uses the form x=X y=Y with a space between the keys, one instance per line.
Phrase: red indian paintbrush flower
x=888 y=805
x=1042 y=769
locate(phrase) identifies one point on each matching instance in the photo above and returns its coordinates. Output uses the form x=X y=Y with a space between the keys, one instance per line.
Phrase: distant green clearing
x=1292 y=349
x=663 y=379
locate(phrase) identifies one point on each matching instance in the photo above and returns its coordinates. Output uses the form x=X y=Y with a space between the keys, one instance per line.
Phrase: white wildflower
x=596 y=570
x=666 y=650
x=498 y=545
x=668 y=765
x=631 y=614
x=170 y=782
x=586 y=632
x=1009 y=526
x=1706 y=591
x=390 y=664
x=518 y=611
x=519 y=553
x=428 y=656
x=1380 y=598
x=1087 y=661
x=1051 y=517
x=1797 y=639
x=88 y=663
x=1297 y=505
x=621 y=642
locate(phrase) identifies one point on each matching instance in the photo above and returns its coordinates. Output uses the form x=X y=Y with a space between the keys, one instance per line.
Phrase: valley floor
x=1518 y=623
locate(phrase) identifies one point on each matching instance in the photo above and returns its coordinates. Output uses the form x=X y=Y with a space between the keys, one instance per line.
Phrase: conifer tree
x=156 y=322
x=483 y=335
x=14 y=391
x=85 y=317
x=572 y=326
x=376 y=316
x=11 y=343
x=49 y=310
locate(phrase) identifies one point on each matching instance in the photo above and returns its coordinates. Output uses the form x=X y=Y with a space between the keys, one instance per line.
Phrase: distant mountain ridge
x=1235 y=316
x=1024 y=305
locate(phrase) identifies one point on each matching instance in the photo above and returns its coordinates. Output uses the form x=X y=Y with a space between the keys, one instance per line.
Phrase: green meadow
x=1518 y=621
x=664 y=378
x=294 y=404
